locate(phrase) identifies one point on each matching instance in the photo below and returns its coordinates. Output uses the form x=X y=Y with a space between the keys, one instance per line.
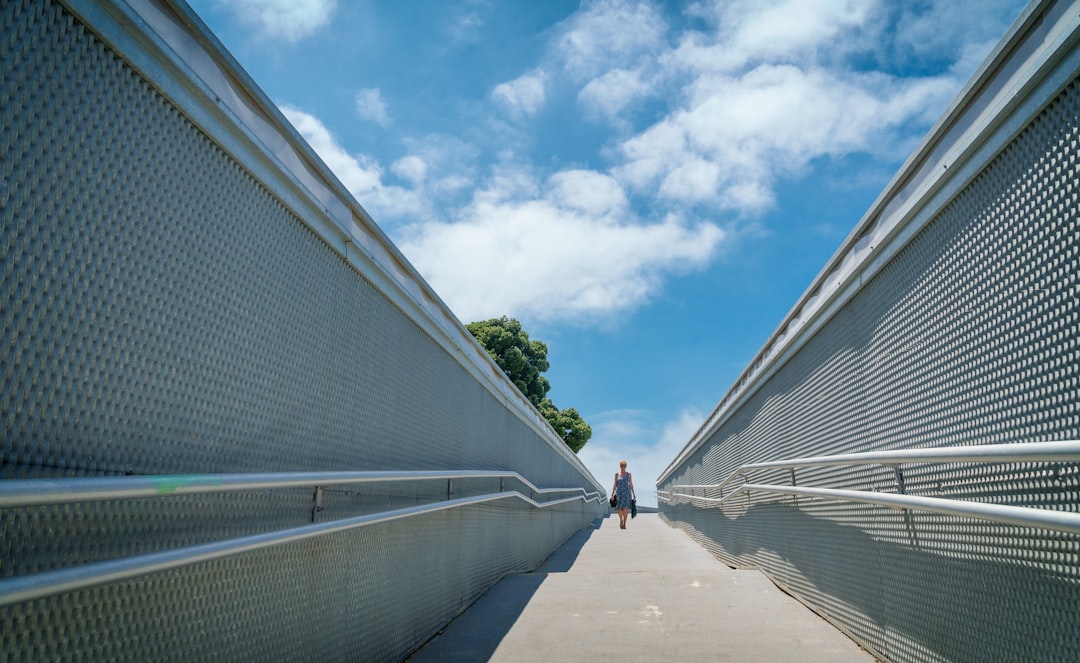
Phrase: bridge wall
x=185 y=288
x=951 y=316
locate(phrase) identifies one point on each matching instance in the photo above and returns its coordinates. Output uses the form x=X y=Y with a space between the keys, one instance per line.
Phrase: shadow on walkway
x=476 y=633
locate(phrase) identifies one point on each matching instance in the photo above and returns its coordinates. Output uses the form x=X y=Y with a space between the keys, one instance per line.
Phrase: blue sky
x=648 y=186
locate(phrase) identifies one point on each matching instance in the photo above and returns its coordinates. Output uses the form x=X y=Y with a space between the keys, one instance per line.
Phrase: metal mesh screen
x=369 y=594
x=969 y=335
x=163 y=312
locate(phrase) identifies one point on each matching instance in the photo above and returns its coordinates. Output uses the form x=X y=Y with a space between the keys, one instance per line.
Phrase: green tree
x=568 y=424
x=523 y=360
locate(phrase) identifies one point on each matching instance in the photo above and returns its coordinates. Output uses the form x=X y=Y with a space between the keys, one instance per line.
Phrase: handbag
x=613 y=501
x=633 y=508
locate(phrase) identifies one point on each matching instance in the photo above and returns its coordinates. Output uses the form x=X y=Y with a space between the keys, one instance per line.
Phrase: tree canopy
x=568 y=424
x=523 y=360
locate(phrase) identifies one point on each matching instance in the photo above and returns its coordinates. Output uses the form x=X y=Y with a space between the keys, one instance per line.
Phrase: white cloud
x=611 y=93
x=607 y=34
x=755 y=31
x=452 y=184
x=567 y=250
x=359 y=173
x=291 y=20
x=588 y=191
x=523 y=95
x=612 y=50
x=693 y=180
x=411 y=168
x=754 y=94
x=764 y=89
x=624 y=435
x=371 y=106
x=449 y=164
x=738 y=134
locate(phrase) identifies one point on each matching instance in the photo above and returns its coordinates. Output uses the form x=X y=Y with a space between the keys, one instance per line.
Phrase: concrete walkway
x=647 y=593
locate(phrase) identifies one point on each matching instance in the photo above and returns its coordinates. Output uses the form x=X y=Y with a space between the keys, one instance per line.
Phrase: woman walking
x=623 y=492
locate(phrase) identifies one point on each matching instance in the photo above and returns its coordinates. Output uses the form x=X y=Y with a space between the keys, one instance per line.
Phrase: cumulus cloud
x=611 y=50
x=607 y=34
x=647 y=447
x=291 y=20
x=611 y=93
x=371 y=106
x=449 y=165
x=587 y=191
x=566 y=247
x=562 y=249
x=359 y=173
x=739 y=134
x=523 y=95
x=411 y=168
x=747 y=32
x=746 y=94
x=763 y=94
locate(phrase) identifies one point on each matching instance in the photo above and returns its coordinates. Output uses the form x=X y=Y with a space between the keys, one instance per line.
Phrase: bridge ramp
x=646 y=593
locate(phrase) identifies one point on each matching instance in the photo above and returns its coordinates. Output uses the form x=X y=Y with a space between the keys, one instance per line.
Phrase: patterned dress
x=622 y=491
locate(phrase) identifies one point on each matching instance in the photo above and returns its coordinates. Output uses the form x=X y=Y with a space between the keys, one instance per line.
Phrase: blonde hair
x=622 y=463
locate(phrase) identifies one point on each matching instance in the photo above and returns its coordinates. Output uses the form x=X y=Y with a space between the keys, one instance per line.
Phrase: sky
x=649 y=187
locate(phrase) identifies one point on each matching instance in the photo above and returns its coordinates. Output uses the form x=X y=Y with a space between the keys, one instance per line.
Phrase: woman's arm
x=616 y=484
x=630 y=479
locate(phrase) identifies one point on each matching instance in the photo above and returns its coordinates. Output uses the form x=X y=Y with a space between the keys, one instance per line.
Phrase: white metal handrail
x=38 y=585
x=1026 y=452
x=39 y=492
x=1062 y=521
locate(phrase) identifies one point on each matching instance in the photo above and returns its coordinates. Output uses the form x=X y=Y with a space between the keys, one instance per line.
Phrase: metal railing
x=1062 y=521
x=38 y=492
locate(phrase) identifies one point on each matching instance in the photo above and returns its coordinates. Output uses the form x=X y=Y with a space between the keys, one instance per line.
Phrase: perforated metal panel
x=370 y=594
x=968 y=335
x=163 y=311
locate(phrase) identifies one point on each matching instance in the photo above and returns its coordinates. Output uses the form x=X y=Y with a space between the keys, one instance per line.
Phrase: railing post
x=316 y=503
x=899 y=485
x=794 y=498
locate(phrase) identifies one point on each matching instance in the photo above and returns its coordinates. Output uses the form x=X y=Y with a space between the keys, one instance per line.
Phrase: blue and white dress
x=622 y=491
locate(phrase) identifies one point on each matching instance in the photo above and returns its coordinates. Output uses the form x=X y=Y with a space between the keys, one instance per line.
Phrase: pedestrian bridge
x=238 y=425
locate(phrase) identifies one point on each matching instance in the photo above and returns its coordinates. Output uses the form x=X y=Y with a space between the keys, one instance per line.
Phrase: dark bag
x=633 y=508
x=613 y=501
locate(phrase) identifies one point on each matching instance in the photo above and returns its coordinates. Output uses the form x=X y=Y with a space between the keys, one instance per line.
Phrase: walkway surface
x=646 y=593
